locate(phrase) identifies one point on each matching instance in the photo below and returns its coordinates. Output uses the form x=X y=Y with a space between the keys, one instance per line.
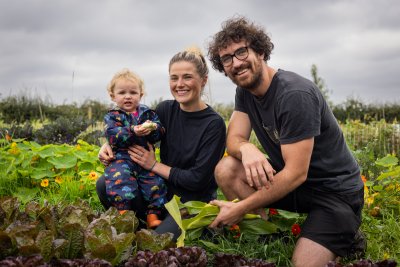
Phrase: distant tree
x=321 y=84
x=155 y=102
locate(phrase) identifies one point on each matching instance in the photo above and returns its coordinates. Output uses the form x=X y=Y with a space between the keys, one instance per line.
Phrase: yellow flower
x=58 y=180
x=35 y=158
x=78 y=147
x=13 y=145
x=14 y=151
x=370 y=199
x=44 y=183
x=93 y=176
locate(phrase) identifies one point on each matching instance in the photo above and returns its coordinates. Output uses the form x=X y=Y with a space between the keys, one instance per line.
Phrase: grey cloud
x=69 y=50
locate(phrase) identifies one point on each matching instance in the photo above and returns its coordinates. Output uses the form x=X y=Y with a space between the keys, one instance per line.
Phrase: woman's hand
x=145 y=158
x=106 y=154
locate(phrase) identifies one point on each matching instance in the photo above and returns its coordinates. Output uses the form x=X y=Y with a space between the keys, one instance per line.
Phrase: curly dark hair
x=234 y=30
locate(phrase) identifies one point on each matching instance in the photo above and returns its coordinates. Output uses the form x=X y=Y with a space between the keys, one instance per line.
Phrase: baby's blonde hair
x=125 y=74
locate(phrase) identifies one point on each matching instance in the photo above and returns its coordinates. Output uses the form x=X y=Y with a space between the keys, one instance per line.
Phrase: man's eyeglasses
x=241 y=54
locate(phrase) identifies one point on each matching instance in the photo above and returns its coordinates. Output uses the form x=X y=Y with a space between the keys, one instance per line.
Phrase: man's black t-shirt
x=293 y=109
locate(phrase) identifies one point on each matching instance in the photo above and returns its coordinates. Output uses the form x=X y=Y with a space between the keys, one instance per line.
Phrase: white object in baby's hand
x=149 y=125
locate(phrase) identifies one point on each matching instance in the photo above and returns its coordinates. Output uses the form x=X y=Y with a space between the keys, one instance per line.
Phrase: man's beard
x=255 y=81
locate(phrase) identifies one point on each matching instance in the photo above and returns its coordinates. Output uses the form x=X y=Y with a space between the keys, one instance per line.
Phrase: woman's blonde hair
x=194 y=55
x=125 y=74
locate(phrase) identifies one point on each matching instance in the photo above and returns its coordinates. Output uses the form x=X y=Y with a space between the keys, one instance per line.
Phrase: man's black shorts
x=333 y=218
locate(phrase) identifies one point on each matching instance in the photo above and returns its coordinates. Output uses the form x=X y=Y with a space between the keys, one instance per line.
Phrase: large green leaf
x=387 y=161
x=173 y=208
x=46 y=151
x=257 y=227
x=25 y=194
x=64 y=161
x=40 y=173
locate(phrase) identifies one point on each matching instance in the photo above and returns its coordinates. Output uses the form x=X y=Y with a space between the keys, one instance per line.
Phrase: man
x=310 y=168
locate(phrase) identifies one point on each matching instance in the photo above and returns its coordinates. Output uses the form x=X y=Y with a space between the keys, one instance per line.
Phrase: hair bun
x=194 y=50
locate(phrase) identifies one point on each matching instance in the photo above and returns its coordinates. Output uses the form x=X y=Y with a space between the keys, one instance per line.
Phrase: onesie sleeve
x=158 y=133
x=117 y=130
x=201 y=174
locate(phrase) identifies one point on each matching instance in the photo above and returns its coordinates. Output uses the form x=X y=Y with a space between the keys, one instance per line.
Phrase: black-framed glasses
x=240 y=53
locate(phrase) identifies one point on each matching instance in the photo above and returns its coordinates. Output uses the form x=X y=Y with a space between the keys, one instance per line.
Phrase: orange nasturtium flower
x=93 y=176
x=8 y=137
x=364 y=179
x=58 y=180
x=44 y=183
x=296 y=229
x=235 y=229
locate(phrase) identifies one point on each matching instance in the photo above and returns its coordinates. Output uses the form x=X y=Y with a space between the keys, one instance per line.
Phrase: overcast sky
x=67 y=51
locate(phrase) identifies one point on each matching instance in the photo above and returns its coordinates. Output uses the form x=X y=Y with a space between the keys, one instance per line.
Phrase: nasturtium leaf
x=25 y=194
x=387 y=161
x=46 y=151
x=257 y=226
x=63 y=162
x=40 y=174
x=63 y=149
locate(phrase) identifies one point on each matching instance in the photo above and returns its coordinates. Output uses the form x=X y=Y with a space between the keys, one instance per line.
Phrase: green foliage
x=21 y=108
x=225 y=110
x=69 y=232
x=371 y=141
x=148 y=240
x=111 y=236
x=320 y=84
x=355 y=109
x=61 y=131
x=194 y=216
x=53 y=172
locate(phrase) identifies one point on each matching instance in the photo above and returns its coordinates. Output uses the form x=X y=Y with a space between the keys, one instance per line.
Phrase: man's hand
x=259 y=172
x=229 y=213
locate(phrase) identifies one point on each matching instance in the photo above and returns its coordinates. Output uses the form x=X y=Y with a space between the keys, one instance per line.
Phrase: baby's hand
x=145 y=129
x=149 y=125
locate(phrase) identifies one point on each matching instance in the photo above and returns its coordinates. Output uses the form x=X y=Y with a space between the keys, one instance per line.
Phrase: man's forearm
x=233 y=145
x=284 y=183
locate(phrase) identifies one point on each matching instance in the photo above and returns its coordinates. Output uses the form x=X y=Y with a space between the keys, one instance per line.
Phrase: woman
x=193 y=144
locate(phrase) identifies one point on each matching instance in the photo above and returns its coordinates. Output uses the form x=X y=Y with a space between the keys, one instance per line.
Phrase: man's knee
x=227 y=169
